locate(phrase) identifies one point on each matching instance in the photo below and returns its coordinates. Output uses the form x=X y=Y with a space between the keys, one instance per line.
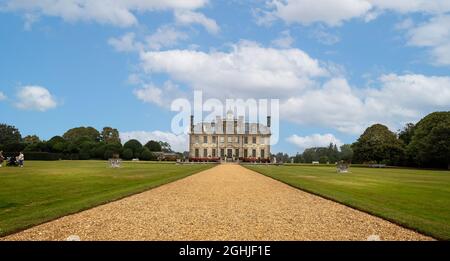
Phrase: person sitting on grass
x=1 y=158
x=20 y=159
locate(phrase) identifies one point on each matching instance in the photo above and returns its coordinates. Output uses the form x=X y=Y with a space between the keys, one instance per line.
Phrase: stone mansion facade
x=229 y=139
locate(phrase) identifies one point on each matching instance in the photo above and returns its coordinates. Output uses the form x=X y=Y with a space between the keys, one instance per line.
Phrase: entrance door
x=229 y=153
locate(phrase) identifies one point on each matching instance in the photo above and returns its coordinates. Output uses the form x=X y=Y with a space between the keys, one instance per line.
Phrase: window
x=222 y=153
x=262 y=154
x=230 y=153
x=222 y=139
x=229 y=139
x=197 y=139
x=205 y=153
x=197 y=154
x=254 y=140
x=237 y=139
x=214 y=153
x=205 y=139
x=245 y=140
x=245 y=153
x=254 y=153
x=214 y=139
x=237 y=153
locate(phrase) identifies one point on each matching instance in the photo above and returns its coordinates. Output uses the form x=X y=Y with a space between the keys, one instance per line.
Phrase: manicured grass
x=42 y=191
x=417 y=199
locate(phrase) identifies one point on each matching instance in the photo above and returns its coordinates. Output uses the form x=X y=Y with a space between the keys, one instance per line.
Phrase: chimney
x=268 y=121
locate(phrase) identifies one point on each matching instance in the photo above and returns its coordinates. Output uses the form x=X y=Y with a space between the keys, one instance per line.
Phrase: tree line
x=81 y=143
x=425 y=144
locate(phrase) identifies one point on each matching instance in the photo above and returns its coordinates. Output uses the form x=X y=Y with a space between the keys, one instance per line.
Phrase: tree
x=378 y=144
x=110 y=135
x=309 y=155
x=153 y=146
x=165 y=147
x=430 y=144
x=76 y=133
x=9 y=134
x=146 y=154
x=127 y=154
x=346 y=153
x=282 y=157
x=406 y=133
x=31 y=139
x=135 y=146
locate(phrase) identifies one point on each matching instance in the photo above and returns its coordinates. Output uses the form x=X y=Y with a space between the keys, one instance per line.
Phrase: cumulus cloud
x=396 y=100
x=330 y=12
x=178 y=143
x=187 y=17
x=35 y=98
x=114 y=12
x=334 y=13
x=315 y=140
x=434 y=34
x=161 y=96
x=165 y=36
x=248 y=69
x=2 y=96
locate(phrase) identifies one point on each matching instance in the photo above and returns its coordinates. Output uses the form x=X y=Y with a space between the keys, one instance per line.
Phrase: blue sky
x=336 y=67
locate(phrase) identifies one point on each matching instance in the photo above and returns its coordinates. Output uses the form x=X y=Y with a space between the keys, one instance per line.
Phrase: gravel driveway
x=227 y=202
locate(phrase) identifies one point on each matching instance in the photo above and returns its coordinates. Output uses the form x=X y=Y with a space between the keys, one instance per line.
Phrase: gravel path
x=227 y=202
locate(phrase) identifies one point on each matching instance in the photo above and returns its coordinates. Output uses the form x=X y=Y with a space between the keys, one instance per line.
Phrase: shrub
x=127 y=154
x=146 y=155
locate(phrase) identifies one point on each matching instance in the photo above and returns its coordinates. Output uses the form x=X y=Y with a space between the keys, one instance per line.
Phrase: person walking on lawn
x=21 y=159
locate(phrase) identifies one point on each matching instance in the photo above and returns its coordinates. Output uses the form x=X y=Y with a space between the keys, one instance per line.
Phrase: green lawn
x=43 y=191
x=418 y=199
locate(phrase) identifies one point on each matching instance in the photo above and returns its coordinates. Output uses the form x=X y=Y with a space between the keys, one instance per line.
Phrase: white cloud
x=187 y=17
x=247 y=70
x=413 y=6
x=35 y=98
x=334 y=13
x=114 y=12
x=165 y=36
x=284 y=41
x=434 y=34
x=396 y=100
x=178 y=143
x=161 y=96
x=2 y=96
x=315 y=140
x=126 y=43
x=330 y=12
x=334 y=105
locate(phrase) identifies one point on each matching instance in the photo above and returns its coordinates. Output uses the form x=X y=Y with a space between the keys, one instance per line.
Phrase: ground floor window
x=254 y=153
x=262 y=153
x=245 y=153
x=230 y=153
x=237 y=153
x=222 y=153
x=205 y=153
x=214 y=153
x=197 y=154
